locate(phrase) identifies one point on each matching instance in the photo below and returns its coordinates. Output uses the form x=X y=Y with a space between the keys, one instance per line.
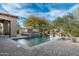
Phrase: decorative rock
x=77 y=39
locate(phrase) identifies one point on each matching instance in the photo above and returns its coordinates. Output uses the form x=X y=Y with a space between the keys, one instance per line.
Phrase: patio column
x=6 y=28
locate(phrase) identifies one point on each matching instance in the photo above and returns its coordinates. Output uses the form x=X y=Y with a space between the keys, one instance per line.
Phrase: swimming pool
x=34 y=41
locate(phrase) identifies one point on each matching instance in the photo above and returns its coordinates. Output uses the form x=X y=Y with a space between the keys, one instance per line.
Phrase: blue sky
x=47 y=10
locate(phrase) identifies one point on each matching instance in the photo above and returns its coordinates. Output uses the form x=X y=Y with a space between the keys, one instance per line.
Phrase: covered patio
x=8 y=25
x=5 y=27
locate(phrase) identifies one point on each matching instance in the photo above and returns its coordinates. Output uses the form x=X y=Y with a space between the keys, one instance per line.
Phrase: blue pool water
x=35 y=41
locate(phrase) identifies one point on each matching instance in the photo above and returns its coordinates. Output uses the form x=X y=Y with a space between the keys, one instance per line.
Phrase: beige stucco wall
x=13 y=24
x=13 y=27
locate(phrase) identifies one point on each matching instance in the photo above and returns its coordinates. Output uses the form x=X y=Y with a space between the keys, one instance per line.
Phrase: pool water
x=35 y=41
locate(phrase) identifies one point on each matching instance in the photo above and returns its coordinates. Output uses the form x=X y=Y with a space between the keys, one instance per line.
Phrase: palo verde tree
x=68 y=24
x=37 y=22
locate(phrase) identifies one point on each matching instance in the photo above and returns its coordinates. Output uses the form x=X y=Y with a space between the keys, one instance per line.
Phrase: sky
x=46 y=10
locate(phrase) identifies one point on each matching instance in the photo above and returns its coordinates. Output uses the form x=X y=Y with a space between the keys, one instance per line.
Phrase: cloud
x=17 y=9
x=24 y=13
x=52 y=14
x=57 y=13
x=2 y=11
x=75 y=11
x=74 y=7
x=11 y=7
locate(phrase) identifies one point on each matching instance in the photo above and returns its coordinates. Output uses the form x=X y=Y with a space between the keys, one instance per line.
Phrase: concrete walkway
x=57 y=48
x=11 y=48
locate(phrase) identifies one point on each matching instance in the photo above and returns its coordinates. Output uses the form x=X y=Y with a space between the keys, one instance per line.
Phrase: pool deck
x=57 y=48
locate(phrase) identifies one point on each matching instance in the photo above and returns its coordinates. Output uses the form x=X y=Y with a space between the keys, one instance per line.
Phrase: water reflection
x=36 y=41
x=54 y=37
x=23 y=41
